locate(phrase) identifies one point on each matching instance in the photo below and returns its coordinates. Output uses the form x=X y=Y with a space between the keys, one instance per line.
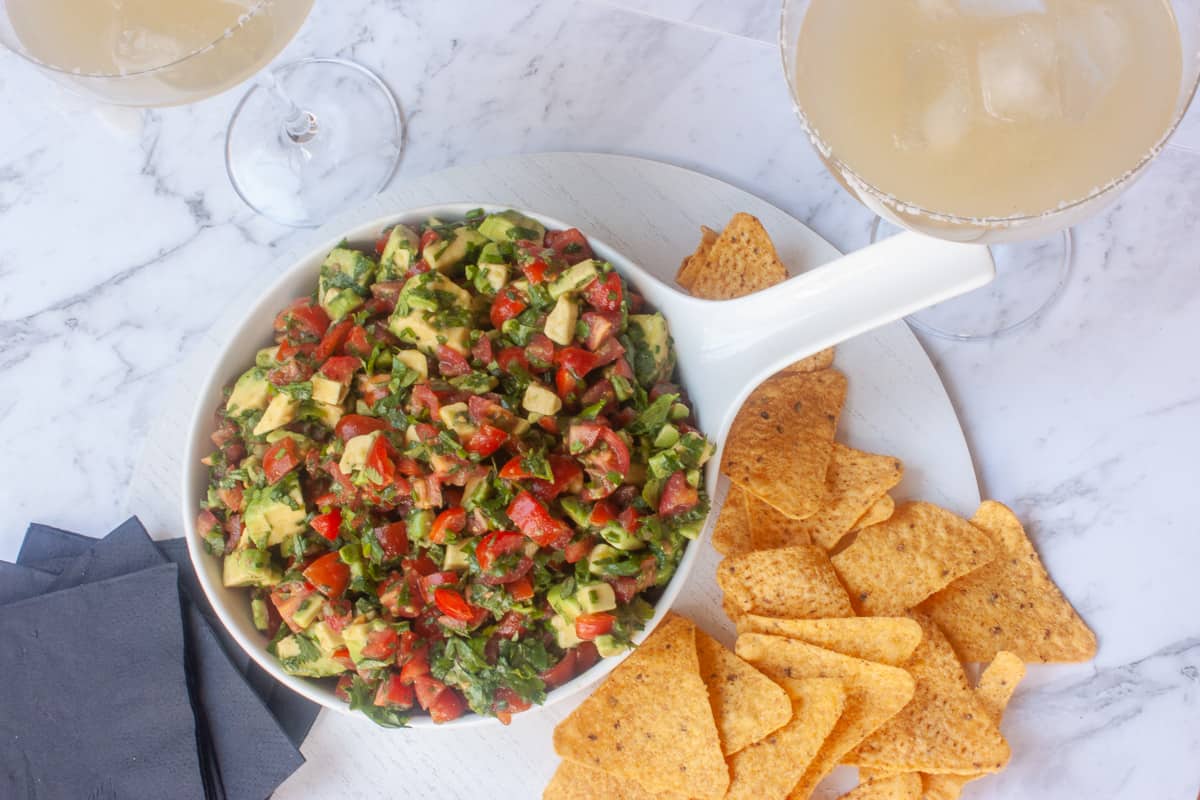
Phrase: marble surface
x=122 y=242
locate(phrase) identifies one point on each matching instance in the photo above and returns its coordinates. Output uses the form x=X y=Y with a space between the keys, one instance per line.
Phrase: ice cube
x=947 y=120
x=1092 y=50
x=939 y=102
x=1001 y=8
x=1018 y=72
x=936 y=9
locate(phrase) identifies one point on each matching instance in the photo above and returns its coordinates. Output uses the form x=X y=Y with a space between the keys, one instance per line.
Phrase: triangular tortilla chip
x=781 y=441
x=573 y=781
x=768 y=769
x=790 y=582
x=731 y=534
x=651 y=721
x=905 y=786
x=882 y=509
x=886 y=640
x=893 y=566
x=853 y=483
x=822 y=359
x=995 y=689
x=741 y=261
x=696 y=262
x=1011 y=604
x=770 y=529
x=944 y=729
x=874 y=693
x=746 y=704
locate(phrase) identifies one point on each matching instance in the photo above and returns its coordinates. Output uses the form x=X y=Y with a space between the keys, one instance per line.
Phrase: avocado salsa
x=461 y=475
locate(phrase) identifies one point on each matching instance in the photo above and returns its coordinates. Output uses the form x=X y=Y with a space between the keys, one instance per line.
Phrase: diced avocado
x=328 y=391
x=667 y=436
x=270 y=518
x=576 y=510
x=541 y=400
x=575 y=278
x=355 y=636
x=491 y=276
x=345 y=278
x=692 y=529
x=252 y=392
x=477 y=490
x=654 y=359
x=326 y=637
x=328 y=415
x=490 y=254
x=415 y=328
x=354 y=457
x=309 y=608
x=420 y=521
x=679 y=411
x=595 y=597
x=414 y=360
x=292 y=658
x=622 y=388
x=279 y=435
x=618 y=537
x=249 y=567
x=457 y=418
x=566 y=605
x=457 y=557
x=608 y=646
x=508 y=226
x=432 y=290
x=266 y=357
x=564 y=632
x=398 y=253
x=280 y=411
x=454 y=252
x=694 y=450
x=601 y=554
x=475 y=382
x=258 y=611
x=560 y=324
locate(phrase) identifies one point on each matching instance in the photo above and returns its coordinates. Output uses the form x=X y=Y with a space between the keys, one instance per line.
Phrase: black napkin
x=242 y=750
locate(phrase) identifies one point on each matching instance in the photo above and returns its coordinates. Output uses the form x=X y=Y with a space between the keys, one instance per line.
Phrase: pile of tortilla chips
x=855 y=615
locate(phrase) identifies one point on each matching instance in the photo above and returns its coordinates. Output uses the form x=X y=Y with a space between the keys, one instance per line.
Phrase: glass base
x=349 y=152
x=1030 y=277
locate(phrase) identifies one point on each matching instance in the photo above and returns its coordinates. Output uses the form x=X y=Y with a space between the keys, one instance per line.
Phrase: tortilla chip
x=650 y=721
x=995 y=689
x=854 y=481
x=695 y=263
x=768 y=769
x=573 y=781
x=822 y=359
x=731 y=534
x=790 y=582
x=944 y=729
x=741 y=261
x=893 y=566
x=874 y=693
x=1011 y=604
x=905 y=786
x=770 y=529
x=746 y=704
x=886 y=640
x=779 y=446
x=881 y=510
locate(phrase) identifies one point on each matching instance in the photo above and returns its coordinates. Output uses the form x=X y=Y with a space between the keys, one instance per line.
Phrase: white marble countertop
x=118 y=247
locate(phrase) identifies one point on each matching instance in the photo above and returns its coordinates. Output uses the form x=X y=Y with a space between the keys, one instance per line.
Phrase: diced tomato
x=601 y=326
x=508 y=304
x=342 y=690
x=508 y=703
x=601 y=391
x=497 y=545
x=605 y=292
x=570 y=244
x=287 y=599
x=428 y=237
x=423 y=396
x=678 y=496
x=357 y=344
x=393 y=693
x=452 y=363
x=381 y=242
x=452 y=520
x=583 y=437
x=602 y=513
x=578 y=550
x=512 y=359
x=579 y=361
x=427 y=492
x=567 y=385
x=568 y=477
x=586 y=656
x=624 y=588
x=428 y=689
x=296 y=366
x=385 y=296
x=521 y=590
x=448 y=706
x=514 y=470
x=629 y=519
x=341 y=368
x=234 y=498
x=329 y=524
x=431 y=582
x=332 y=341
x=381 y=645
x=482 y=351
x=452 y=604
x=535 y=271
x=610 y=352
x=400 y=595
x=373 y=388
x=302 y=321
x=533 y=520
x=561 y=672
x=280 y=459
x=540 y=351
x=379 y=460
x=622 y=369
x=422 y=565
x=486 y=440
x=589 y=626
x=338 y=614
x=353 y=425
x=329 y=574
x=416 y=665
x=393 y=539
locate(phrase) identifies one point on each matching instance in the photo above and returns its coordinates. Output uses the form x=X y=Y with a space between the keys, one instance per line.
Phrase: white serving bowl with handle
x=724 y=350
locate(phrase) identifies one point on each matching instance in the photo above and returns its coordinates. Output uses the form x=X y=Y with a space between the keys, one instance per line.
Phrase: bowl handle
x=727 y=348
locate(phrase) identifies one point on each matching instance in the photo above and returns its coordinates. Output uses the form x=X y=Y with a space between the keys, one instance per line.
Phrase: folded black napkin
x=234 y=713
